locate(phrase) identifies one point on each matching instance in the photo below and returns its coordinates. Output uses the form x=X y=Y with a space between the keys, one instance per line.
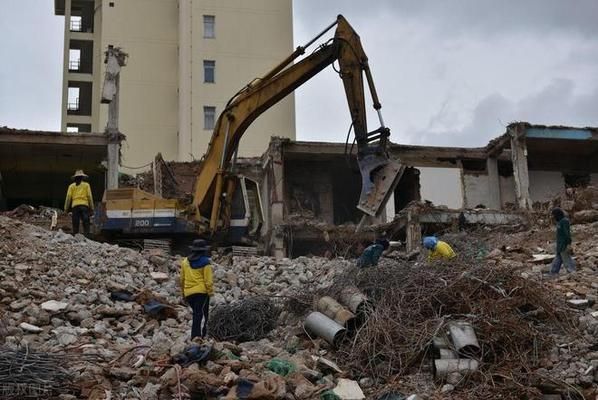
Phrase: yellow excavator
x=223 y=199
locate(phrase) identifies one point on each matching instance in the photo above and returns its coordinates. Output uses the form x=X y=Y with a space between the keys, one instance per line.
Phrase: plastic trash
x=193 y=354
x=281 y=367
x=122 y=296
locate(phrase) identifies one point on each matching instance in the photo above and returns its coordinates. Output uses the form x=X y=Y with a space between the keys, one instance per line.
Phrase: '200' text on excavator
x=221 y=199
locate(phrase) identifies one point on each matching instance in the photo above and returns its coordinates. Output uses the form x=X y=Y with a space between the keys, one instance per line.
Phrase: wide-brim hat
x=199 y=245
x=80 y=173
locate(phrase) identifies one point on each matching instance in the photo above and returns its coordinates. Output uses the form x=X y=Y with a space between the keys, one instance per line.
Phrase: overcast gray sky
x=447 y=72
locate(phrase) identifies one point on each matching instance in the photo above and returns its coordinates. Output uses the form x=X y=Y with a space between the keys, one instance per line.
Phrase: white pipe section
x=380 y=118
x=185 y=79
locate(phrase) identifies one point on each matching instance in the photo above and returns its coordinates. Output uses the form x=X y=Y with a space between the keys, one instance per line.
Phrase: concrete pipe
x=320 y=325
x=446 y=354
x=353 y=299
x=464 y=366
x=334 y=310
x=464 y=339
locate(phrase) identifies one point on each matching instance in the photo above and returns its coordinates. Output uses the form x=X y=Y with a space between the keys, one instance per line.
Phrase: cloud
x=557 y=104
x=31 y=71
x=455 y=73
x=457 y=17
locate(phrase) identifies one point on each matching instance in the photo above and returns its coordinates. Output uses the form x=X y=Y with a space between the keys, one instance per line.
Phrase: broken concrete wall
x=407 y=190
x=441 y=186
x=545 y=185
x=475 y=190
x=507 y=190
x=309 y=190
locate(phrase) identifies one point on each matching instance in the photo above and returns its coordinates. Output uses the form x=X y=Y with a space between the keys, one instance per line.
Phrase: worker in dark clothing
x=563 y=243
x=197 y=285
x=371 y=255
x=80 y=201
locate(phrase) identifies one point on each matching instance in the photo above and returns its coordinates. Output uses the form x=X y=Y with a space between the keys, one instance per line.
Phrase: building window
x=209 y=31
x=73 y=99
x=76 y=25
x=74 y=59
x=72 y=129
x=209 y=67
x=209 y=117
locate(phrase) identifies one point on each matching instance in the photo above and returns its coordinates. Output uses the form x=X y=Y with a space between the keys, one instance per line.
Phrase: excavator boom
x=379 y=173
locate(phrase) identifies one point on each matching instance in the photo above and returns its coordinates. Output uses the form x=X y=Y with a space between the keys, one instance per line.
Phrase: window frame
x=209 y=20
x=207 y=110
x=206 y=67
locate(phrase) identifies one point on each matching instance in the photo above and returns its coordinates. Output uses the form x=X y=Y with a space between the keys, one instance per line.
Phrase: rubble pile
x=67 y=294
x=581 y=203
x=64 y=294
x=411 y=306
x=250 y=276
x=45 y=217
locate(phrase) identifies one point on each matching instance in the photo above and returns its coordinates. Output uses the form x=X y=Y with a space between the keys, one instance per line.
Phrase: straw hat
x=80 y=173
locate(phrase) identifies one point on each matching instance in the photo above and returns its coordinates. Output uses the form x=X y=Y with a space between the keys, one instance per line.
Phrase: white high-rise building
x=187 y=58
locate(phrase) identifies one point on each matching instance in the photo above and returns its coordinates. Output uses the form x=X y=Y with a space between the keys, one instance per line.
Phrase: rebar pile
x=243 y=321
x=512 y=317
x=25 y=373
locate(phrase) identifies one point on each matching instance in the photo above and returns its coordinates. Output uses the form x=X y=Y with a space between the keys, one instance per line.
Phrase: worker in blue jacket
x=563 y=243
x=371 y=255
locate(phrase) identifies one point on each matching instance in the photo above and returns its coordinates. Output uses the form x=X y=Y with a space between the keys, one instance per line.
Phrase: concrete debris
x=347 y=389
x=30 y=328
x=580 y=304
x=61 y=293
x=327 y=364
x=585 y=216
x=159 y=276
x=447 y=388
x=542 y=258
x=54 y=306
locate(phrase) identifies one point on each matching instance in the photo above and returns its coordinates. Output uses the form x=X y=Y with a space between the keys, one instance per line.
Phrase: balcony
x=80 y=56
x=79 y=98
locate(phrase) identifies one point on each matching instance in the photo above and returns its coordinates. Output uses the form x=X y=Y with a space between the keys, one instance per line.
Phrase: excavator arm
x=379 y=173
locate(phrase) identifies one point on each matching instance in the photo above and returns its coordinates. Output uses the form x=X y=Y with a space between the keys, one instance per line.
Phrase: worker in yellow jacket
x=438 y=249
x=197 y=285
x=80 y=201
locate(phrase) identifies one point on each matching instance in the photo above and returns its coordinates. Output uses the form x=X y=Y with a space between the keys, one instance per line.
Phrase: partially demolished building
x=36 y=166
x=308 y=187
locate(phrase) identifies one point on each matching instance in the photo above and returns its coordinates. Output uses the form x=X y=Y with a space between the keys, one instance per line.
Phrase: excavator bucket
x=379 y=177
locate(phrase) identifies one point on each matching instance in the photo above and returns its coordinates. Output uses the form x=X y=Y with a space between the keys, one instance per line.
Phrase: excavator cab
x=246 y=216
